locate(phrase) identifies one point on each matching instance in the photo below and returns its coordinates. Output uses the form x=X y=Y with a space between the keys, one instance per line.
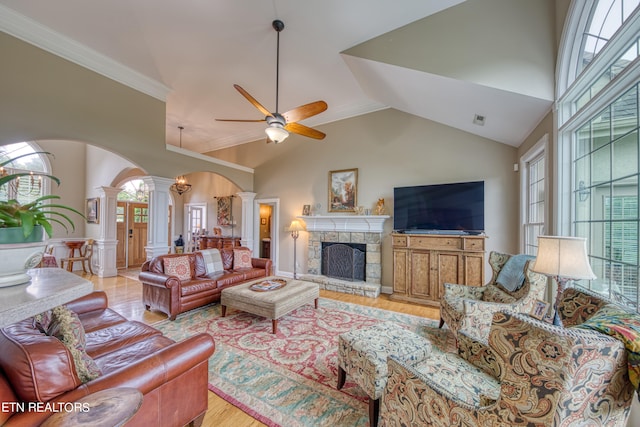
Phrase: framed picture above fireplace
x=343 y=190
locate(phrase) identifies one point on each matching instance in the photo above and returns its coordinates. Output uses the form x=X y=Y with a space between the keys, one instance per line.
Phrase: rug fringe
x=244 y=408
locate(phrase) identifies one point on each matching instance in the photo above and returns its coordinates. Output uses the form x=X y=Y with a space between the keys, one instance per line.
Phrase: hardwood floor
x=125 y=296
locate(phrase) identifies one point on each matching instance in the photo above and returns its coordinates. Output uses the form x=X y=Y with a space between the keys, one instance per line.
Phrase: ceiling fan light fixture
x=277 y=122
x=276 y=133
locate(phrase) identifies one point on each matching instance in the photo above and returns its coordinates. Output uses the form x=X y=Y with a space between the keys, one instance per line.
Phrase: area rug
x=289 y=378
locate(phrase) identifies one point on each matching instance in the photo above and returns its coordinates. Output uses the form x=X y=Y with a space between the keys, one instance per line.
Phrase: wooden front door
x=137 y=218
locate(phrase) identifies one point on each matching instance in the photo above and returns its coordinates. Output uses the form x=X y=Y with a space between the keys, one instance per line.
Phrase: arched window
x=134 y=190
x=26 y=189
x=598 y=140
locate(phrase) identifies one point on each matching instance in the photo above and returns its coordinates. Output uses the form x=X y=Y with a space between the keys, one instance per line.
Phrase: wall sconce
x=583 y=192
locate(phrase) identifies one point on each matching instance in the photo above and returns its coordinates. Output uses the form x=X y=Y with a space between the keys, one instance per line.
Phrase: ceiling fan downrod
x=277 y=25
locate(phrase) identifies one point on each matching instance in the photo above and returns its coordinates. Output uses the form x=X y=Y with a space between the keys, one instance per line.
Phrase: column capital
x=247 y=195
x=158 y=183
x=109 y=191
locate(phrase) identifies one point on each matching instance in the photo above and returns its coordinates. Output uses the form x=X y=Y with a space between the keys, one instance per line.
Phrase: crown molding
x=32 y=32
x=209 y=159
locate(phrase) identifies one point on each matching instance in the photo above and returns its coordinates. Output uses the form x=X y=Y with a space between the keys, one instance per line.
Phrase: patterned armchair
x=538 y=374
x=470 y=308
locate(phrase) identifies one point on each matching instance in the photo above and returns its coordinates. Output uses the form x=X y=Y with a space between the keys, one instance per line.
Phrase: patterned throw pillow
x=242 y=258
x=623 y=325
x=42 y=321
x=178 y=266
x=66 y=326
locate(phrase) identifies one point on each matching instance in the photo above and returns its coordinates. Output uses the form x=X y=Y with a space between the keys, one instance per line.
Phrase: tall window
x=26 y=189
x=599 y=144
x=534 y=192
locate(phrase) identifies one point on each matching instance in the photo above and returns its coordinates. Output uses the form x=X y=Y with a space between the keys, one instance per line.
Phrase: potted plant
x=23 y=225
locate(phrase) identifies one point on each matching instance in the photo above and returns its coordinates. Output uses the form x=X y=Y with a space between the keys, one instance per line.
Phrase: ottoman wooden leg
x=374 y=411
x=224 y=310
x=315 y=302
x=342 y=376
x=274 y=326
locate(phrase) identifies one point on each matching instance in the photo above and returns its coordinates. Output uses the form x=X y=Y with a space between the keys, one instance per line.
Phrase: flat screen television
x=457 y=208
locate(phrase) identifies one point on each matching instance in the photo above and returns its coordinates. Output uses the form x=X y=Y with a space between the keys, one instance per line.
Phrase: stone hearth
x=364 y=229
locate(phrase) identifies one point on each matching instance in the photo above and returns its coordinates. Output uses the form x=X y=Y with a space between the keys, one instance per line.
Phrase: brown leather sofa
x=172 y=296
x=35 y=367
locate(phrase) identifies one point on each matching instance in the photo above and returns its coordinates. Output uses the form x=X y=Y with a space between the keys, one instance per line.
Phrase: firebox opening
x=344 y=260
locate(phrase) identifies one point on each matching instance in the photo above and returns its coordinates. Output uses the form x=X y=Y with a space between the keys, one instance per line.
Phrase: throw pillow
x=623 y=325
x=42 y=321
x=178 y=267
x=66 y=326
x=511 y=276
x=242 y=258
x=212 y=260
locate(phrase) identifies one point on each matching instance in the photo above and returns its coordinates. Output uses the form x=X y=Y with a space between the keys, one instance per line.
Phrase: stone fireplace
x=353 y=231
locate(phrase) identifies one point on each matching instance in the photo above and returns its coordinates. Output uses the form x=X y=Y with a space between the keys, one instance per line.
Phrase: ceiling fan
x=281 y=124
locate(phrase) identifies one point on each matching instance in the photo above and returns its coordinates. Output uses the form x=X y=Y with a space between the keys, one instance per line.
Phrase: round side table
x=106 y=408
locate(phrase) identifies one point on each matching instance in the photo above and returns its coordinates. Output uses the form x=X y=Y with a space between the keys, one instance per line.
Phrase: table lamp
x=564 y=259
x=295 y=228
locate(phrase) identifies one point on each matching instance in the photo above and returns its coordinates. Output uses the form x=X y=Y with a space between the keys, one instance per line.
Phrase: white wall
x=68 y=164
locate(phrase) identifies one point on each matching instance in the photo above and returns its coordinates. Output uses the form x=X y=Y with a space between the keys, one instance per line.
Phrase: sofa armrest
x=152 y=371
x=408 y=392
x=96 y=300
x=265 y=263
x=158 y=280
x=146 y=375
x=463 y=291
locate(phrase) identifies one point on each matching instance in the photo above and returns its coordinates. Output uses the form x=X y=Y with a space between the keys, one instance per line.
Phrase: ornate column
x=104 y=255
x=157 y=227
x=247 y=218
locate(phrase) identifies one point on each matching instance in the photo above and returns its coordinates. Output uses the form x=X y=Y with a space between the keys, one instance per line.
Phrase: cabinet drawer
x=433 y=242
x=400 y=241
x=474 y=244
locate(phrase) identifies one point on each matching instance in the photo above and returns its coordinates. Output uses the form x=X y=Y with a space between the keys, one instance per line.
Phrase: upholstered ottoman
x=363 y=353
x=271 y=304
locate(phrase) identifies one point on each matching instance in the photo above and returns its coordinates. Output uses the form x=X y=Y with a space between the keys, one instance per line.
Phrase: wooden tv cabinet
x=422 y=263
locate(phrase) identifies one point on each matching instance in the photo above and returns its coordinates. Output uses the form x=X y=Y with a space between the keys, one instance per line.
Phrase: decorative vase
x=17 y=258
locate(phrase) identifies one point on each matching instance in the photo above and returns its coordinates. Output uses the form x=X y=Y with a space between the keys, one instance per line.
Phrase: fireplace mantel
x=345 y=223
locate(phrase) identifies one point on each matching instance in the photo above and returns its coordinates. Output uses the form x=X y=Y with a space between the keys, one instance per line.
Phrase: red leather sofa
x=172 y=376
x=173 y=296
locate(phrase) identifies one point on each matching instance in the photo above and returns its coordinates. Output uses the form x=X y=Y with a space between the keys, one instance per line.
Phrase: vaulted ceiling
x=445 y=60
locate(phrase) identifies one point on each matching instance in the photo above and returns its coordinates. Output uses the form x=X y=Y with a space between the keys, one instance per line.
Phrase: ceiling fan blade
x=305 y=111
x=239 y=120
x=304 y=130
x=252 y=100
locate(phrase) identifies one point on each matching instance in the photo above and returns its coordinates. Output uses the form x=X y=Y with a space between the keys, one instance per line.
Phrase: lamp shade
x=276 y=133
x=563 y=257
x=297 y=225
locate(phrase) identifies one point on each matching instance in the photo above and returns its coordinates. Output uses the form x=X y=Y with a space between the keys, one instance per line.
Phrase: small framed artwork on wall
x=343 y=190
x=92 y=210
x=306 y=210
